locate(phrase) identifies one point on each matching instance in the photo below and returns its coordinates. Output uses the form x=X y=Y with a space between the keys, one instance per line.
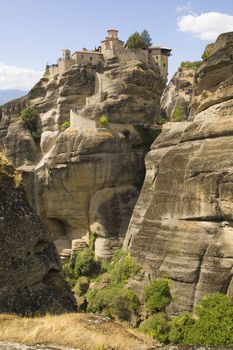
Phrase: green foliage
x=122 y=267
x=113 y=301
x=135 y=41
x=161 y=120
x=214 y=323
x=65 y=125
x=147 y=135
x=103 y=120
x=81 y=286
x=157 y=326
x=177 y=114
x=84 y=264
x=146 y=37
x=189 y=64
x=180 y=328
x=29 y=116
x=108 y=296
x=208 y=52
x=157 y=295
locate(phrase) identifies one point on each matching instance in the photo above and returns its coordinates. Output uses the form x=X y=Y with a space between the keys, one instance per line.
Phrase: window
x=157 y=57
x=164 y=65
x=90 y=58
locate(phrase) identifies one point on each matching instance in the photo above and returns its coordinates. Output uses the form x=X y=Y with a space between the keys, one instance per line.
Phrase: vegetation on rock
x=135 y=41
x=29 y=116
x=157 y=295
x=190 y=64
x=65 y=125
x=103 y=120
x=146 y=37
x=178 y=114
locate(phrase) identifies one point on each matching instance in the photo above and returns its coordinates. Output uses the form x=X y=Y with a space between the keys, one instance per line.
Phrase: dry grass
x=82 y=331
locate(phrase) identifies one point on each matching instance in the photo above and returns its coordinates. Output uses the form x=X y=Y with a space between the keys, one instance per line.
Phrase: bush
x=85 y=263
x=65 y=125
x=189 y=64
x=122 y=267
x=214 y=323
x=113 y=301
x=179 y=328
x=108 y=296
x=135 y=41
x=177 y=114
x=29 y=117
x=81 y=286
x=103 y=120
x=157 y=295
x=157 y=326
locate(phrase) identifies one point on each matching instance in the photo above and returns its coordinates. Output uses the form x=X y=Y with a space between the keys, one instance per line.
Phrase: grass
x=82 y=331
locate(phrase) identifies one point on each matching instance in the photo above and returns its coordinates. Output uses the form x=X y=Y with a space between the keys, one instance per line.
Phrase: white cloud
x=206 y=26
x=17 y=78
x=185 y=8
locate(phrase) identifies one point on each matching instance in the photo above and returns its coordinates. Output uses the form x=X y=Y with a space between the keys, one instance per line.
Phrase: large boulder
x=182 y=224
x=31 y=281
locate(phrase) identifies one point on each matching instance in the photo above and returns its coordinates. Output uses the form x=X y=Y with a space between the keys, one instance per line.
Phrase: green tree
x=29 y=117
x=135 y=41
x=146 y=37
x=214 y=324
x=157 y=295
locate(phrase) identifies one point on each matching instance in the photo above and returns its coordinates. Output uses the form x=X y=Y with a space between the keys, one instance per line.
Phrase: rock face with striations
x=31 y=281
x=176 y=98
x=182 y=225
x=85 y=178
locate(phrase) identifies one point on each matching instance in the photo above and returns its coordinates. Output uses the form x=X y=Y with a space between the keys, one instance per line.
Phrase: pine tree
x=135 y=41
x=146 y=37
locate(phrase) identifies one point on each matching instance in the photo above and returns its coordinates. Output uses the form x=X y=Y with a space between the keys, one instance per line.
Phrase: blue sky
x=33 y=32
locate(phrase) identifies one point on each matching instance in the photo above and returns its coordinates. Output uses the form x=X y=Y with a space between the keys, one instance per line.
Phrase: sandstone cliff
x=30 y=271
x=176 y=98
x=86 y=178
x=182 y=223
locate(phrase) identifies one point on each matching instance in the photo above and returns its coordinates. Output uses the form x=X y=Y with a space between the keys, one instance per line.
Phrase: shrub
x=69 y=274
x=81 y=286
x=189 y=64
x=157 y=295
x=113 y=301
x=122 y=267
x=65 y=125
x=214 y=323
x=103 y=120
x=179 y=328
x=29 y=117
x=85 y=263
x=157 y=326
x=108 y=296
x=135 y=41
x=177 y=114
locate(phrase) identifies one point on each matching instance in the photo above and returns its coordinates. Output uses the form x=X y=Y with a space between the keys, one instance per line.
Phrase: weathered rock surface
x=30 y=270
x=182 y=225
x=89 y=181
x=85 y=179
x=214 y=77
x=176 y=98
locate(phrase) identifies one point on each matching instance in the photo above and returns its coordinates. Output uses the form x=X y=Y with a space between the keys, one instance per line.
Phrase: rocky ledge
x=31 y=280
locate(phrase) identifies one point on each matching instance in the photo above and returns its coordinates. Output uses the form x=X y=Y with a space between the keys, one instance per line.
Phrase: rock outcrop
x=182 y=225
x=176 y=98
x=31 y=281
x=86 y=178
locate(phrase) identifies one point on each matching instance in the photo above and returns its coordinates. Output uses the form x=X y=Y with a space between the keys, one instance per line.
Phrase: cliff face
x=176 y=98
x=30 y=271
x=182 y=223
x=86 y=178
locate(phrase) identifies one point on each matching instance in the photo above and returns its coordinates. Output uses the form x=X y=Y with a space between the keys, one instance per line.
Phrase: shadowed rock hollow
x=30 y=270
x=182 y=225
